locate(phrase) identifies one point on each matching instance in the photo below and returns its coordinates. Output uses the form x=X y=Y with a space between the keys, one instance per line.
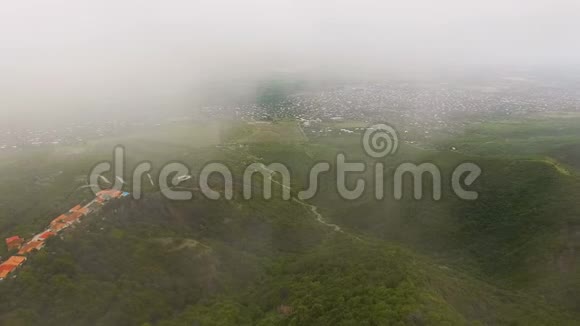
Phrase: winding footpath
x=313 y=209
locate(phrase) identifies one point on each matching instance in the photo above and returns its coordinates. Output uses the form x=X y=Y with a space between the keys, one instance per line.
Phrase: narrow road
x=312 y=208
x=319 y=217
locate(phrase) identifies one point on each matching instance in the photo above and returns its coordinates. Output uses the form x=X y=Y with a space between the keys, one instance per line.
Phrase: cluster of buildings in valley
x=57 y=225
x=425 y=106
x=21 y=136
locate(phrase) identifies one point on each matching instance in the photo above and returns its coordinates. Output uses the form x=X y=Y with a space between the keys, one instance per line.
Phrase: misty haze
x=290 y=162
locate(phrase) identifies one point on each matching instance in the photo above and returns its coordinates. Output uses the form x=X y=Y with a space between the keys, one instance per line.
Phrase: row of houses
x=56 y=226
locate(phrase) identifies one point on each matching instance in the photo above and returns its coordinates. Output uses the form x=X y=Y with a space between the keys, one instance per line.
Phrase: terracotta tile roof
x=65 y=220
x=72 y=217
x=109 y=193
x=59 y=219
x=57 y=227
x=14 y=242
x=13 y=239
x=14 y=260
x=11 y=264
x=45 y=235
x=31 y=246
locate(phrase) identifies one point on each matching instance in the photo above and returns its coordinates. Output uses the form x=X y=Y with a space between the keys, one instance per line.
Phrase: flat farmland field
x=269 y=132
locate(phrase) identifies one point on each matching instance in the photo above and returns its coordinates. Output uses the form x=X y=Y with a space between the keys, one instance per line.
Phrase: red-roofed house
x=45 y=235
x=10 y=265
x=65 y=220
x=58 y=223
x=83 y=210
x=57 y=227
x=79 y=209
x=14 y=242
x=31 y=246
x=71 y=217
x=108 y=194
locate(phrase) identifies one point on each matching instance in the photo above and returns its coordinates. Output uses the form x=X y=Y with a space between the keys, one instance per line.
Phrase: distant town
x=424 y=106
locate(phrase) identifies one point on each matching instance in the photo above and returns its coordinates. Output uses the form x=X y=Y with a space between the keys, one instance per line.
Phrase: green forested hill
x=509 y=258
x=129 y=266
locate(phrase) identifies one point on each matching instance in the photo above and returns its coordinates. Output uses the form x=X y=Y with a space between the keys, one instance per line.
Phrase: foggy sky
x=63 y=56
